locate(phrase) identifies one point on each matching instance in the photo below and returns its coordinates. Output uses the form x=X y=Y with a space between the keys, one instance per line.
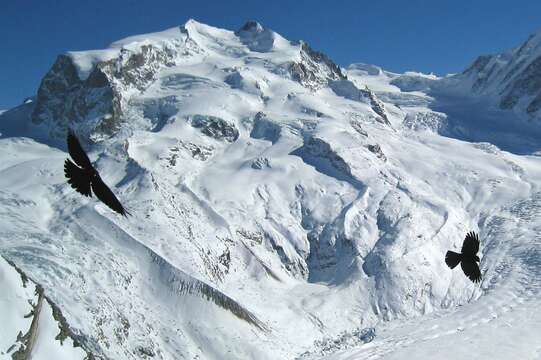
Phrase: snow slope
x=282 y=206
x=499 y=321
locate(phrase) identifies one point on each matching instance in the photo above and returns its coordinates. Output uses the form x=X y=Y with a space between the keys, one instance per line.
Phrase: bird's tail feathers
x=452 y=259
x=126 y=213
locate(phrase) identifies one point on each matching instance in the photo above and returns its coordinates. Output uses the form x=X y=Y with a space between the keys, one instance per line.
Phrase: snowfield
x=282 y=207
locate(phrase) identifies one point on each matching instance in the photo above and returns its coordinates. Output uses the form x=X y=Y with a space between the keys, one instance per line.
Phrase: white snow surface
x=288 y=240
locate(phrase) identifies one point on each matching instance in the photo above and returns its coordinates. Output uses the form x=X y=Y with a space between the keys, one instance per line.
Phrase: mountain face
x=97 y=84
x=512 y=79
x=283 y=207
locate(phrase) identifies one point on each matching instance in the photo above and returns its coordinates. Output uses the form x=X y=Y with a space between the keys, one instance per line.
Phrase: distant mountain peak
x=256 y=37
x=512 y=77
x=252 y=26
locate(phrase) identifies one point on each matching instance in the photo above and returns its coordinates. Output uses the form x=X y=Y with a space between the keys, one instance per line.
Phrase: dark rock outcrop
x=215 y=127
x=265 y=129
x=261 y=163
x=65 y=100
x=315 y=69
x=256 y=37
x=376 y=149
x=527 y=83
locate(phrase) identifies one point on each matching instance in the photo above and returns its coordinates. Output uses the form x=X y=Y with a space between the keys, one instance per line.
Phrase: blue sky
x=428 y=36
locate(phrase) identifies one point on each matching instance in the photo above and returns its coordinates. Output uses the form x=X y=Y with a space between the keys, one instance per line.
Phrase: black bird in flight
x=468 y=259
x=85 y=179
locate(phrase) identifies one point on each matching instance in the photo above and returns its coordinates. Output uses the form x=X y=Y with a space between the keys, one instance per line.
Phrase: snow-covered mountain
x=283 y=207
x=510 y=80
x=513 y=78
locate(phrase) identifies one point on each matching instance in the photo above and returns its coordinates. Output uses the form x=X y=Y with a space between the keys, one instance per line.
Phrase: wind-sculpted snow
x=281 y=206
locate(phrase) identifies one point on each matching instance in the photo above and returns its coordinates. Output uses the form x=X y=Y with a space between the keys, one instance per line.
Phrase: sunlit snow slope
x=282 y=207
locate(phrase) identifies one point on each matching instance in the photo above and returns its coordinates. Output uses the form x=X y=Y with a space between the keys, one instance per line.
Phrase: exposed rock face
x=356 y=125
x=512 y=77
x=348 y=90
x=234 y=80
x=315 y=69
x=65 y=100
x=527 y=83
x=477 y=67
x=265 y=128
x=199 y=152
x=319 y=148
x=215 y=127
x=261 y=163
x=378 y=107
x=376 y=149
x=256 y=37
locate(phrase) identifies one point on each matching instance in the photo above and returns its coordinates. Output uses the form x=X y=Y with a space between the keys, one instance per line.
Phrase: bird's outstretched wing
x=471 y=269
x=77 y=178
x=106 y=196
x=76 y=151
x=471 y=244
x=452 y=259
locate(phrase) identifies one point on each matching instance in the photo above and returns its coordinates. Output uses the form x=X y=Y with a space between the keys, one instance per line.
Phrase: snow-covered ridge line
x=99 y=84
x=179 y=283
x=510 y=80
x=27 y=341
